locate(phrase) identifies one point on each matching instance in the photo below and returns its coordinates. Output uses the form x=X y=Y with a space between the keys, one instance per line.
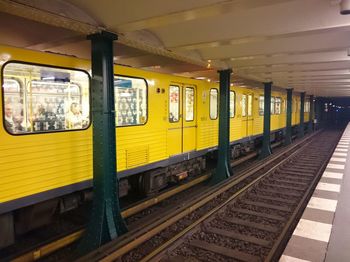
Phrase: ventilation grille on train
x=137 y=156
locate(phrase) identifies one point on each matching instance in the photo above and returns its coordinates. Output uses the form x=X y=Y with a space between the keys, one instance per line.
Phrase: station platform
x=323 y=233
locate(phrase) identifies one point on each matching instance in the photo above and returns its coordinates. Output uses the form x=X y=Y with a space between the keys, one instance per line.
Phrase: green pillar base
x=265 y=152
x=108 y=225
x=288 y=141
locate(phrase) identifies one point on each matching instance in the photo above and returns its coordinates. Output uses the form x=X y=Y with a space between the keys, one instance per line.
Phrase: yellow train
x=167 y=127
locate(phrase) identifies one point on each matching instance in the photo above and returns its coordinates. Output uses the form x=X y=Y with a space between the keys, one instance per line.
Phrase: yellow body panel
x=39 y=162
x=207 y=129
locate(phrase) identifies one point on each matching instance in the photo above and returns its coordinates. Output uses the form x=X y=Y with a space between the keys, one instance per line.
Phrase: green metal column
x=266 y=146
x=106 y=222
x=223 y=169
x=311 y=114
x=301 y=124
x=318 y=109
x=288 y=138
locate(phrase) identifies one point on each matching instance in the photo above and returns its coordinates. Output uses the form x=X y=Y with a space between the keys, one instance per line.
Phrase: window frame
x=134 y=77
x=194 y=103
x=217 y=103
x=234 y=104
x=179 y=103
x=48 y=66
x=307 y=106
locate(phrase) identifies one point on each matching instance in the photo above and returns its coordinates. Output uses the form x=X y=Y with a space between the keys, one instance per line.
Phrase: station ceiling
x=300 y=44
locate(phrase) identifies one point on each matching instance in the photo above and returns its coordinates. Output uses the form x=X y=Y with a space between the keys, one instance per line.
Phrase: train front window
x=174 y=104
x=232 y=104
x=189 y=103
x=38 y=98
x=130 y=98
x=213 y=104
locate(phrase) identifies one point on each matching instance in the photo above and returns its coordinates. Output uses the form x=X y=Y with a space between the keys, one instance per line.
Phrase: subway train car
x=166 y=126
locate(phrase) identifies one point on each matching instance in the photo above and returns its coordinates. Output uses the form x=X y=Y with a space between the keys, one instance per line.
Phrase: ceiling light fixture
x=209 y=64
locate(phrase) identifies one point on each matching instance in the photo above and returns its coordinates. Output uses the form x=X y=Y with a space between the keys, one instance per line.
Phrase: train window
x=130 y=101
x=232 y=104
x=250 y=105
x=307 y=107
x=40 y=98
x=272 y=105
x=261 y=105
x=189 y=103
x=213 y=103
x=278 y=102
x=244 y=105
x=174 y=104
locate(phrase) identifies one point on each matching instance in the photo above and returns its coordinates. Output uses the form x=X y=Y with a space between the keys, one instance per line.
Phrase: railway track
x=246 y=219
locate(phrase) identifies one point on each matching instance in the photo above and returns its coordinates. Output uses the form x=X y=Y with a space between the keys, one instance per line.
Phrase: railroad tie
x=238 y=236
x=264 y=205
x=224 y=251
x=241 y=222
x=279 y=192
x=283 y=187
x=279 y=199
x=258 y=214
x=281 y=180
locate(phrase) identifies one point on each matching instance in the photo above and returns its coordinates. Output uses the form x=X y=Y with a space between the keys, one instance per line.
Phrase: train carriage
x=166 y=126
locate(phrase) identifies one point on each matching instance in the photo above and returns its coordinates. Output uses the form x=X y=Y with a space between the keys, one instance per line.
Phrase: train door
x=175 y=122
x=247 y=115
x=244 y=114
x=182 y=119
x=250 y=117
x=189 y=119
